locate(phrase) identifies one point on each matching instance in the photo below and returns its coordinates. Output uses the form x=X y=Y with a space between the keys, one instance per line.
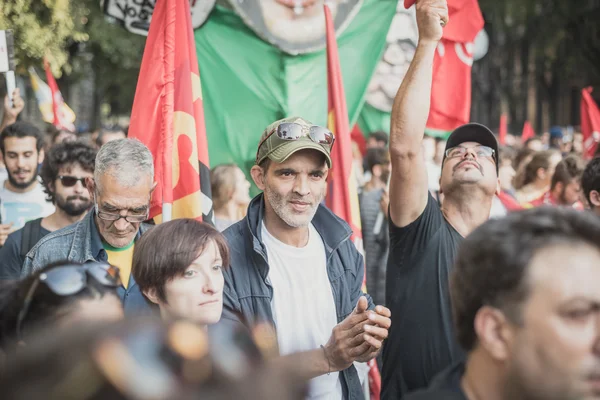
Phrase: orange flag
x=590 y=123
x=168 y=117
x=342 y=194
x=528 y=132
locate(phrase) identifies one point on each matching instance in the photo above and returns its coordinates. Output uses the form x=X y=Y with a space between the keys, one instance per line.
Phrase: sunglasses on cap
x=69 y=181
x=294 y=131
x=68 y=280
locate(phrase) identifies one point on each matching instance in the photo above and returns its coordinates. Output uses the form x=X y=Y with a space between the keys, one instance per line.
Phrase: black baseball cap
x=473 y=132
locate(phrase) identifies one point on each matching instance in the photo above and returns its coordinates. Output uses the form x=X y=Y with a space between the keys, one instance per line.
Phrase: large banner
x=135 y=15
x=248 y=83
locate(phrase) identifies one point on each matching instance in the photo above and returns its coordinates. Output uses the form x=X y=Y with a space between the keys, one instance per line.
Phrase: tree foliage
x=542 y=52
x=44 y=28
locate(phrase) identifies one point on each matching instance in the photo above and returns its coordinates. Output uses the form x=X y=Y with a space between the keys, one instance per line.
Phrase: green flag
x=247 y=83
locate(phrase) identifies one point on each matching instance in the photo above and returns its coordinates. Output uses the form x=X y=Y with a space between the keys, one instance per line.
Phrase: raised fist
x=432 y=16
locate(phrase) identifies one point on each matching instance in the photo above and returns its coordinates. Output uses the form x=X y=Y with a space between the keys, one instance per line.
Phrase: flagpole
x=168 y=107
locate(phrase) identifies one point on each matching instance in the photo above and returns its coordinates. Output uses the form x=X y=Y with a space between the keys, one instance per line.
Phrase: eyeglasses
x=115 y=217
x=294 y=131
x=480 y=151
x=67 y=280
x=69 y=181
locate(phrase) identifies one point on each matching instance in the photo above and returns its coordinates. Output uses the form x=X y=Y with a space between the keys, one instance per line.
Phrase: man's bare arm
x=408 y=184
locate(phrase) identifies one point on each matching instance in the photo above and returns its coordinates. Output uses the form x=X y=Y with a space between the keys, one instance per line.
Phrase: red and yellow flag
x=342 y=193
x=168 y=117
x=590 y=123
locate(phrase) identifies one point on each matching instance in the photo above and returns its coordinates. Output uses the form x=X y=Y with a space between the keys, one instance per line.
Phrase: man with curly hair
x=63 y=174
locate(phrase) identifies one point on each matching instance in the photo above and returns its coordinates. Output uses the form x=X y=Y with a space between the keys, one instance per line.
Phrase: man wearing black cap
x=424 y=235
x=293 y=265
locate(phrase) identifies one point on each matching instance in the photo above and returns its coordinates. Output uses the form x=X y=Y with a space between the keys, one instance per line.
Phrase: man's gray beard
x=278 y=205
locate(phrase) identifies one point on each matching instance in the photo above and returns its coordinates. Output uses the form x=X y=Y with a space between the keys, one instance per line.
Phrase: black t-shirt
x=421 y=340
x=445 y=386
x=11 y=261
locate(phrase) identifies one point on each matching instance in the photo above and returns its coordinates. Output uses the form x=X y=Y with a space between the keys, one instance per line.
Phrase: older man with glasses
x=121 y=188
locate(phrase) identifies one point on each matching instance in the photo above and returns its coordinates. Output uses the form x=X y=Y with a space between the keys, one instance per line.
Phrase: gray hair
x=126 y=160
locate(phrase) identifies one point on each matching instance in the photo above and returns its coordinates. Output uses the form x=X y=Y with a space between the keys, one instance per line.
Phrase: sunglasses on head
x=69 y=181
x=68 y=280
x=294 y=131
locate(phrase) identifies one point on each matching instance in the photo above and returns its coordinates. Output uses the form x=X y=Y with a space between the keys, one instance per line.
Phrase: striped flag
x=168 y=117
x=50 y=101
x=342 y=193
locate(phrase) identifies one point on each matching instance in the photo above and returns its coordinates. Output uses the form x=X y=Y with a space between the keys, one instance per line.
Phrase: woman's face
x=241 y=194
x=198 y=294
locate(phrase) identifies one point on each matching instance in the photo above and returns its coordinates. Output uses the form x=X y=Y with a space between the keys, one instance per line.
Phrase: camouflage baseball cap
x=279 y=150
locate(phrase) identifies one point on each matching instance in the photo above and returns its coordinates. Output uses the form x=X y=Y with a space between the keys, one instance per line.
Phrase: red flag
x=451 y=88
x=342 y=194
x=60 y=120
x=528 y=132
x=503 y=130
x=167 y=115
x=590 y=123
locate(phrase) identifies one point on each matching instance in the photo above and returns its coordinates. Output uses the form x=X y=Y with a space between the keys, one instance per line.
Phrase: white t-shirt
x=303 y=305
x=19 y=208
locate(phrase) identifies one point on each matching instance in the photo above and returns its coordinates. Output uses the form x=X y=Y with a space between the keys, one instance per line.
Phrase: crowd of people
x=481 y=262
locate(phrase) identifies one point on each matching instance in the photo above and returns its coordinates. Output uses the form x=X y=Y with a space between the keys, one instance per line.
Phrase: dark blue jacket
x=247 y=294
x=81 y=243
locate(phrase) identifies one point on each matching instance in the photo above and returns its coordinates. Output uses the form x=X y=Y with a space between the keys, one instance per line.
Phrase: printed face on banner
x=136 y=14
x=294 y=26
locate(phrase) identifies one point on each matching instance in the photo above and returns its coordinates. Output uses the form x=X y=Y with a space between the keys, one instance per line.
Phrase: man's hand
x=11 y=113
x=5 y=230
x=432 y=16
x=358 y=336
x=376 y=331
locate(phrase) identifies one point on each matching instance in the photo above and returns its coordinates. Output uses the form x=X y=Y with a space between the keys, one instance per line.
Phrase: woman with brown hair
x=178 y=265
x=535 y=177
x=230 y=195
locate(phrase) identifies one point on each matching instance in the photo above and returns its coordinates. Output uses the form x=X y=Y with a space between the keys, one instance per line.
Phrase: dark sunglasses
x=69 y=181
x=294 y=131
x=67 y=280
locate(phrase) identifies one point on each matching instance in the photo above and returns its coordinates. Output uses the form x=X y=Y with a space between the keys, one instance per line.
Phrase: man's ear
x=493 y=332
x=258 y=176
x=153 y=187
x=151 y=295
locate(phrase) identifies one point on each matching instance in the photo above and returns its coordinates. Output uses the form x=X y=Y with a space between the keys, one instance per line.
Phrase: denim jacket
x=81 y=243
x=247 y=294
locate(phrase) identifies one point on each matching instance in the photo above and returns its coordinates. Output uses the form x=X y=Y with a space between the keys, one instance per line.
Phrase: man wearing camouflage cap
x=293 y=265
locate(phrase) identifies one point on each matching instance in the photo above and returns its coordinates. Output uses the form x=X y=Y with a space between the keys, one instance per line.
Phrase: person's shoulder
x=236 y=232
x=55 y=240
